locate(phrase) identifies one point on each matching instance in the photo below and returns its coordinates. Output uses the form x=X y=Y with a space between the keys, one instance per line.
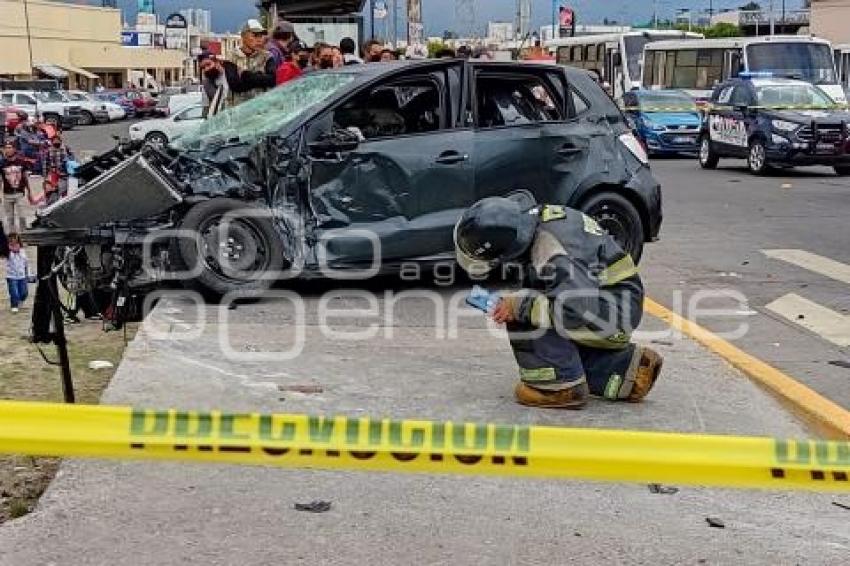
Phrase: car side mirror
x=336 y=142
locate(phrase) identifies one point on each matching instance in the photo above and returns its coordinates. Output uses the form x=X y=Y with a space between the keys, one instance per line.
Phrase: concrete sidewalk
x=145 y=513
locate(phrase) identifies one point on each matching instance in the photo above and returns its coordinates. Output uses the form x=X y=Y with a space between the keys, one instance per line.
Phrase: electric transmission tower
x=465 y=18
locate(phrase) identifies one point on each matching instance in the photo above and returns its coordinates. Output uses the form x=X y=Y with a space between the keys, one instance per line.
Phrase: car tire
x=842 y=170
x=708 y=158
x=253 y=250
x=156 y=139
x=86 y=118
x=620 y=218
x=757 y=158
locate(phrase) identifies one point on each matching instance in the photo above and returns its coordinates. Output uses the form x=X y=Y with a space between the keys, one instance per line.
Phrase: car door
x=409 y=180
x=509 y=132
x=26 y=103
x=727 y=126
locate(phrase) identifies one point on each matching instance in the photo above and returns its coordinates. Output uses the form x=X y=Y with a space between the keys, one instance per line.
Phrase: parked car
x=142 y=100
x=161 y=131
x=667 y=122
x=12 y=117
x=344 y=169
x=91 y=110
x=773 y=122
x=126 y=105
x=47 y=105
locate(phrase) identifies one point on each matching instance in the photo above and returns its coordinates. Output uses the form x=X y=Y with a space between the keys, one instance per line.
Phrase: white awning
x=83 y=72
x=53 y=71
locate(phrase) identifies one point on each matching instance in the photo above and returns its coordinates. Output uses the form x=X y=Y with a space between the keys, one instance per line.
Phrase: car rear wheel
x=842 y=170
x=757 y=158
x=237 y=247
x=619 y=218
x=157 y=139
x=708 y=158
x=86 y=118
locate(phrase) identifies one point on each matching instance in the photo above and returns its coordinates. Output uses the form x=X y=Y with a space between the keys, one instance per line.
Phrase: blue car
x=667 y=122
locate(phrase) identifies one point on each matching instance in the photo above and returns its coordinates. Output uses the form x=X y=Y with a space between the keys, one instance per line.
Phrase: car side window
x=410 y=106
x=740 y=96
x=25 y=99
x=194 y=113
x=8 y=98
x=725 y=95
x=514 y=100
x=580 y=104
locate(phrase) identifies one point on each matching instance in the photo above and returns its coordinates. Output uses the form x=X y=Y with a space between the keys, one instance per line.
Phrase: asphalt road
x=722 y=230
x=718 y=228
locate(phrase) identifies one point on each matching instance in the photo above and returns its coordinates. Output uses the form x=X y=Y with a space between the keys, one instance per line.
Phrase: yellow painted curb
x=813 y=405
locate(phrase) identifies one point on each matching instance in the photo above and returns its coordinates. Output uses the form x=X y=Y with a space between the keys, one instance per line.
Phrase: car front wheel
x=620 y=219
x=842 y=170
x=757 y=158
x=86 y=118
x=235 y=248
x=156 y=139
x=708 y=158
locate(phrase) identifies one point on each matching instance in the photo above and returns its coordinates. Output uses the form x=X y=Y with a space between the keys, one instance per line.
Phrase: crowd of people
x=265 y=60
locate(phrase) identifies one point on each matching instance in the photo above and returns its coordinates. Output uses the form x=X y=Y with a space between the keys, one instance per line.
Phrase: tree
x=434 y=47
x=723 y=30
x=751 y=7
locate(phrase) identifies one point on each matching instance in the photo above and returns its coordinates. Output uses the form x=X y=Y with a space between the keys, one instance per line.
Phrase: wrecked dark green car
x=350 y=173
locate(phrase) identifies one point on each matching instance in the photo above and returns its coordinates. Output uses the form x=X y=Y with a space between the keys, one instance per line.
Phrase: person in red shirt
x=289 y=69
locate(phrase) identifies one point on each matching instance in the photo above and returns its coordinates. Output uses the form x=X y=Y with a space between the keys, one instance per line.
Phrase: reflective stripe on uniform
x=552 y=212
x=618 y=271
x=536 y=375
x=591 y=339
x=540 y=316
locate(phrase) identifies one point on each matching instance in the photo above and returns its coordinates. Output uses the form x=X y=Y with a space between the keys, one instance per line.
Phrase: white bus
x=697 y=66
x=842 y=64
x=615 y=58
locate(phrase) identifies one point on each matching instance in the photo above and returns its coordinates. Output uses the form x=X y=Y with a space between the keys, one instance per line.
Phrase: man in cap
x=255 y=65
x=570 y=326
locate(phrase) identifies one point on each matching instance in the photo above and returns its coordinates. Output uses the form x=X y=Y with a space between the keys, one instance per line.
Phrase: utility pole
x=555 y=33
x=655 y=14
x=772 y=19
x=29 y=41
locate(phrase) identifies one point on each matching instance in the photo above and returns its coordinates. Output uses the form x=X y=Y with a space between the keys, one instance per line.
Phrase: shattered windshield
x=265 y=114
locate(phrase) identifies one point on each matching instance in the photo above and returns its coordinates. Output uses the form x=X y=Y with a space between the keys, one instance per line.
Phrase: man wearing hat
x=254 y=64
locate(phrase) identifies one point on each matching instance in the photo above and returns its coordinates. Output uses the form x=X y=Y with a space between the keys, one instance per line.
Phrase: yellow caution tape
x=301 y=441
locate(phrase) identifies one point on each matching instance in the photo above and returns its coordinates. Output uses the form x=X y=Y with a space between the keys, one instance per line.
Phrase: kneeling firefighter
x=570 y=325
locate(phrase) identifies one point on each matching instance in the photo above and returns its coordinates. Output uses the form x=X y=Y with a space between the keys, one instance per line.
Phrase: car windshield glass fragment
x=805 y=61
x=266 y=114
x=672 y=102
x=803 y=96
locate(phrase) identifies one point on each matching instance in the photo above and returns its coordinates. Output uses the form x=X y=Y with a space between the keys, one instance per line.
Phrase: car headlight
x=654 y=126
x=779 y=140
x=784 y=125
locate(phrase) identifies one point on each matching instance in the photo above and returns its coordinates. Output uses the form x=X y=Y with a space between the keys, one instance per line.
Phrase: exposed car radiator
x=132 y=190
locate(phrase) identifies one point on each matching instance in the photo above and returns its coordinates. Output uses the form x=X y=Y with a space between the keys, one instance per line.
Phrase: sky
x=228 y=15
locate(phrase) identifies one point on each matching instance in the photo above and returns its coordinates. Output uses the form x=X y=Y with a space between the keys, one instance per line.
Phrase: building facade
x=76 y=44
x=830 y=19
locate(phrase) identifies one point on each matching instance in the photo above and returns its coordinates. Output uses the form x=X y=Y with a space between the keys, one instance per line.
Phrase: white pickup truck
x=48 y=105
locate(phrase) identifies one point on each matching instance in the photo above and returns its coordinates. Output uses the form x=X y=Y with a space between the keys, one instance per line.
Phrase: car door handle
x=451 y=157
x=568 y=149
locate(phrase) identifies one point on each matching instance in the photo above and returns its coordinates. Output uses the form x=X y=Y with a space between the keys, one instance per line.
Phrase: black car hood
x=808 y=116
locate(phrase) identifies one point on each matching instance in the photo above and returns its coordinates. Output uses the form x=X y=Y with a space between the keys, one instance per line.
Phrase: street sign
x=176 y=32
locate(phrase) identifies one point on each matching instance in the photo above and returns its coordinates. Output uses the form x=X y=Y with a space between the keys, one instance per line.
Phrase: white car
x=162 y=131
x=100 y=110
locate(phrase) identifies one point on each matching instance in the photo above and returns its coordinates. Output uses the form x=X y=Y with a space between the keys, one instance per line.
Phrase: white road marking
x=823 y=321
x=813 y=262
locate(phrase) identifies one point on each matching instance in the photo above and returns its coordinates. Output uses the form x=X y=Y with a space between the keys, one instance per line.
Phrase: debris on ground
x=842 y=505
x=663 y=342
x=801 y=316
x=306 y=389
x=100 y=364
x=314 y=506
x=662 y=489
x=786 y=185
x=715 y=522
x=839 y=363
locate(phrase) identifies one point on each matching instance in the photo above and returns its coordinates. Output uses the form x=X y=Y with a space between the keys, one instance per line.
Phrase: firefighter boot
x=573 y=397
x=649 y=367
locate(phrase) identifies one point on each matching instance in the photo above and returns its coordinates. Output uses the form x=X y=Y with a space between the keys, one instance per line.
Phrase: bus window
x=591 y=53
x=564 y=56
x=649 y=69
x=577 y=54
x=669 y=65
